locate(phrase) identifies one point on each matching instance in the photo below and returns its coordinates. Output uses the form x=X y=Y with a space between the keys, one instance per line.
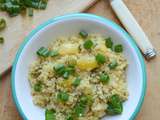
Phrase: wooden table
x=147 y=13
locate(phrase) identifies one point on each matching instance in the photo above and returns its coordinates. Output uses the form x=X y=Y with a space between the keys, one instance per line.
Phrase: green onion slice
x=1 y=40
x=83 y=34
x=2 y=24
x=62 y=96
x=50 y=114
x=118 y=48
x=88 y=44
x=108 y=42
x=76 y=82
x=100 y=58
x=44 y=52
x=104 y=78
x=113 y=64
x=30 y=12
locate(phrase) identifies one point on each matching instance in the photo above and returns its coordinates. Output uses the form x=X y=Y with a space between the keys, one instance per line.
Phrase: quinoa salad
x=81 y=77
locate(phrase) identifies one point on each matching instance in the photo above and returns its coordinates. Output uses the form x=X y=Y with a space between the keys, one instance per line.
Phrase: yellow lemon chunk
x=67 y=84
x=101 y=46
x=87 y=63
x=68 y=49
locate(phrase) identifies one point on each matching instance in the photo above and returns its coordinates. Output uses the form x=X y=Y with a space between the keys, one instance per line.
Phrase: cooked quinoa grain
x=79 y=83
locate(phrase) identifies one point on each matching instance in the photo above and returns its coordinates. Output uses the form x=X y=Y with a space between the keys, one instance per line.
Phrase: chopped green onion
x=86 y=100
x=108 y=42
x=113 y=64
x=59 y=69
x=38 y=87
x=53 y=53
x=90 y=100
x=42 y=5
x=12 y=9
x=114 y=105
x=62 y=96
x=83 y=34
x=69 y=118
x=88 y=44
x=80 y=107
x=118 y=48
x=32 y=4
x=50 y=114
x=79 y=110
x=64 y=71
x=44 y=52
x=30 y=12
x=100 y=58
x=104 y=78
x=68 y=71
x=2 y=24
x=66 y=75
x=59 y=66
x=1 y=40
x=15 y=7
x=76 y=82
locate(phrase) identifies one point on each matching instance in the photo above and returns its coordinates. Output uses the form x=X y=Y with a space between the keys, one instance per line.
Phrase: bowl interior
x=66 y=26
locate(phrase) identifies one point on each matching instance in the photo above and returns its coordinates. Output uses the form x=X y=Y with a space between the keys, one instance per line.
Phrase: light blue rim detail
x=107 y=21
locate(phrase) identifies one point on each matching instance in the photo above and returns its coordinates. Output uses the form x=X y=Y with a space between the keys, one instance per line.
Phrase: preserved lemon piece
x=67 y=84
x=68 y=49
x=101 y=46
x=86 y=87
x=87 y=63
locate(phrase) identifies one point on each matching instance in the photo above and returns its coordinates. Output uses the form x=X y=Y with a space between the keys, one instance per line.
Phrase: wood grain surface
x=20 y=26
x=147 y=13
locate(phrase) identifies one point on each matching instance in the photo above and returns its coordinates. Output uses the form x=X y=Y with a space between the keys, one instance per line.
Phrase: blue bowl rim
x=86 y=15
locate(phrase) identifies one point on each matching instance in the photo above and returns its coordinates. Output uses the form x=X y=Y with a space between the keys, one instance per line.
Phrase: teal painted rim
x=91 y=16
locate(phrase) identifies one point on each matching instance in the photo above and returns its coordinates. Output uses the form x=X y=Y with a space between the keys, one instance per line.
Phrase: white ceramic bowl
x=69 y=25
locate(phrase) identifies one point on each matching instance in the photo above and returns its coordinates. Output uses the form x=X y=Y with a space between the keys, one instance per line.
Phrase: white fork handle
x=133 y=28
